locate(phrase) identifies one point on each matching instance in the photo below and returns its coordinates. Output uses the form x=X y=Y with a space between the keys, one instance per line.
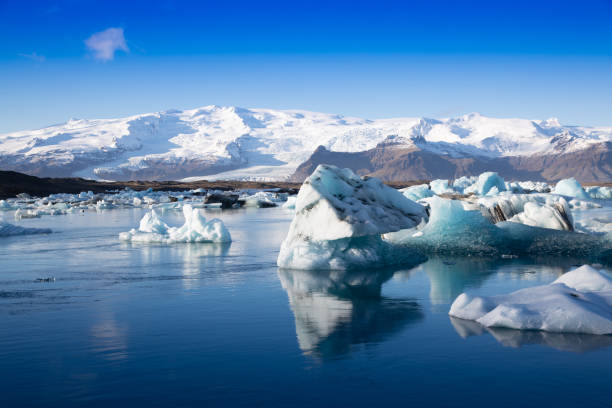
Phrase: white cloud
x=34 y=57
x=105 y=43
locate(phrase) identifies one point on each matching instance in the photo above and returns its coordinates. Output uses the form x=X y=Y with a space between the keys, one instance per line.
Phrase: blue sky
x=82 y=58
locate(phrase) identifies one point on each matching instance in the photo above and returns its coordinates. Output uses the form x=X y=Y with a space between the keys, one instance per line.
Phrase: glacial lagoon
x=89 y=320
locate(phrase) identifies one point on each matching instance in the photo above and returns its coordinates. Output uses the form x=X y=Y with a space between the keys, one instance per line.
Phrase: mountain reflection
x=574 y=342
x=336 y=310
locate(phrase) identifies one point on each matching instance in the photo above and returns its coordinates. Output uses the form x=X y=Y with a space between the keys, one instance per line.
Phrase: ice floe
x=570 y=188
x=488 y=183
x=441 y=187
x=195 y=229
x=454 y=229
x=579 y=301
x=339 y=219
x=418 y=192
x=7 y=230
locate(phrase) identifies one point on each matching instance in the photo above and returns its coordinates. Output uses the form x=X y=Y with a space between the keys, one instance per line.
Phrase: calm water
x=206 y=325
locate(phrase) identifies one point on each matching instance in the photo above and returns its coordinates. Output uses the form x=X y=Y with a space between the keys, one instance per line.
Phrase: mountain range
x=216 y=142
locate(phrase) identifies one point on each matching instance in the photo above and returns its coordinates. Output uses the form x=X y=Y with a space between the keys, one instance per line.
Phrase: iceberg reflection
x=337 y=310
x=574 y=342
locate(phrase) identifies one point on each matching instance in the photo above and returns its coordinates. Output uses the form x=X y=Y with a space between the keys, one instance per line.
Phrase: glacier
x=226 y=142
x=579 y=301
x=195 y=229
x=338 y=222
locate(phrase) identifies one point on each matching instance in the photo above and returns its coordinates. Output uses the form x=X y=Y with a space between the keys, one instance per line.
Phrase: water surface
x=219 y=325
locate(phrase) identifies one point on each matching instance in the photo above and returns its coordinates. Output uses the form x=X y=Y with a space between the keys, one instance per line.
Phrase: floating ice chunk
x=544 y=210
x=486 y=182
x=416 y=193
x=7 y=230
x=604 y=193
x=450 y=229
x=6 y=206
x=339 y=218
x=578 y=302
x=290 y=203
x=454 y=230
x=195 y=229
x=571 y=188
x=583 y=205
x=544 y=216
x=441 y=187
x=104 y=205
x=261 y=199
x=22 y=214
x=335 y=203
x=514 y=187
x=461 y=183
x=537 y=186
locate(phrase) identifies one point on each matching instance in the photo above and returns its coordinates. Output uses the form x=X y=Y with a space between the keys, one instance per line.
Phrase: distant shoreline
x=13 y=183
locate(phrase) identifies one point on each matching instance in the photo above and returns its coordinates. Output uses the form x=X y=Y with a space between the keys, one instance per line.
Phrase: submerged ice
x=579 y=301
x=195 y=229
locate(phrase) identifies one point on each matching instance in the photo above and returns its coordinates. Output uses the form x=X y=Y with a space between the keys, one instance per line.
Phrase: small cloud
x=34 y=57
x=105 y=43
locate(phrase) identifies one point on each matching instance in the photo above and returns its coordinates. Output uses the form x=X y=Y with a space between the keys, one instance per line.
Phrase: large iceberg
x=571 y=188
x=578 y=302
x=455 y=229
x=7 y=230
x=195 y=229
x=339 y=218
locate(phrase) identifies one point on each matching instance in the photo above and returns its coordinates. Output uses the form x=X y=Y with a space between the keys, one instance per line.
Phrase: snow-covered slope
x=231 y=142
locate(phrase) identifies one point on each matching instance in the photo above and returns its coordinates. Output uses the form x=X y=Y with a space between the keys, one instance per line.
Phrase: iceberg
x=416 y=193
x=195 y=229
x=604 y=193
x=339 y=218
x=441 y=187
x=579 y=301
x=488 y=183
x=290 y=203
x=463 y=182
x=7 y=230
x=537 y=186
x=570 y=188
x=454 y=230
x=537 y=210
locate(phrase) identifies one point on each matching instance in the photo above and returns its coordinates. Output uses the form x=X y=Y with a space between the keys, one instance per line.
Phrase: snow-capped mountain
x=229 y=142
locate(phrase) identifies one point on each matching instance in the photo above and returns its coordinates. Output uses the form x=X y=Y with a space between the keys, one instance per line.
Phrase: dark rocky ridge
x=396 y=163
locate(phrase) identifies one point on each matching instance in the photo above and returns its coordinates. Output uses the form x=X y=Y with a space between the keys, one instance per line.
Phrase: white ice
x=339 y=218
x=195 y=229
x=441 y=187
x=7 y=230
x=488 y=183
x=416 y=193
x=570 y=188
x=578 y=302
